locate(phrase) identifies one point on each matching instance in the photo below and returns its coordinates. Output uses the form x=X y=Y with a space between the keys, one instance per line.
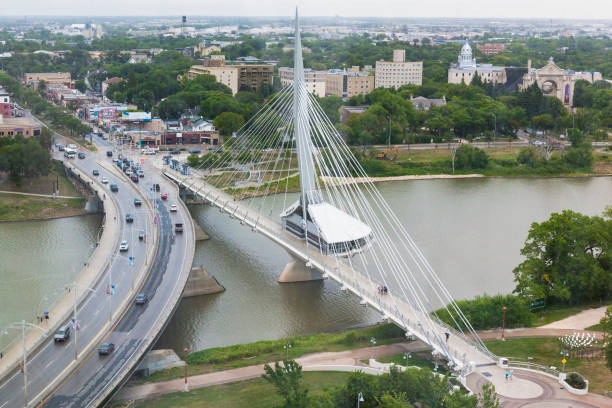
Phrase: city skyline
x=317 y=8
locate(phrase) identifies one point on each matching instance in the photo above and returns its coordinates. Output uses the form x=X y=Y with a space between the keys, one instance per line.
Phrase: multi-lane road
x=53 y=376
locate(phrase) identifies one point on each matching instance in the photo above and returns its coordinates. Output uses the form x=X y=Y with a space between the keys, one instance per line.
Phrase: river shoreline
x=55 y=217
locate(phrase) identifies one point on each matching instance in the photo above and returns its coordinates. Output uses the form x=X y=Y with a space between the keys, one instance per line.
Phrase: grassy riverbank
x=241 y=355
x=17 y=207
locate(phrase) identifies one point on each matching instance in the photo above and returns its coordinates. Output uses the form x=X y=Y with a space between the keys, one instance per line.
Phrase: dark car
x=137 y=201
x=129 y=218
x=196 y=151
x=178 y=227
x=114 y=188
x=135 y=178
x=60 y=148
x=141 y=299
x=175 y=151
x=109 y=153
x=95 y=172
x=81 y=155
x=156 y=186
x=62 y=334
x=106 y=348
x=141 y=236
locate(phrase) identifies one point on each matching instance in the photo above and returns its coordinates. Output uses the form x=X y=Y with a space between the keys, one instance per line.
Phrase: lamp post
x=503 y=323
x=360 y=399
x=287 y=346
x=23 y=325
x=74 y=286
x=186 y=350
x=494 y=128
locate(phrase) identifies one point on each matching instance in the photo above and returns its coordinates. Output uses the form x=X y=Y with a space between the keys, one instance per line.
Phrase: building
x=10 y=127
x=6 y=108
x=466 y=67
x=106 y=83
x=191 y=130
x=556 y=81
x=216 y=60
x=347 y=84
x=206 y=50
x=347 y=111
x=423 y=104
x=315 y=80
x=393 y=74
x=237 y=77
x=139 y=59
x=51 y=78
x=491 y=49
x=291 y=48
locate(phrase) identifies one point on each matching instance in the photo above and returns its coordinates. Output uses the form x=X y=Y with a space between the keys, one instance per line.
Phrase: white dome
x=466 y=48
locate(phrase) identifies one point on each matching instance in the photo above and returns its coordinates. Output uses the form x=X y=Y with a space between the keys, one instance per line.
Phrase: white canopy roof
x=335 y=225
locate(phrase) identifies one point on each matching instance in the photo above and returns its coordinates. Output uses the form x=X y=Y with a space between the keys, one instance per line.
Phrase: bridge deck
x=459 y=347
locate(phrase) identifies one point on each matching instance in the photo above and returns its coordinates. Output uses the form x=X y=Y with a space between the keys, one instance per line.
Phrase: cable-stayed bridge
x=337 y=228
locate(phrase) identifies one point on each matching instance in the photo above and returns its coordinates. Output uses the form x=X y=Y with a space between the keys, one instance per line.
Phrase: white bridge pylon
x=343 y=229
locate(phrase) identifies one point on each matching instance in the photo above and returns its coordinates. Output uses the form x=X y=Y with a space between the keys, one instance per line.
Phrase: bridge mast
x=301 y=128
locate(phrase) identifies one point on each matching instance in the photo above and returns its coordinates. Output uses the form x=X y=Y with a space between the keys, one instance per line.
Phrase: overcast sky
x=547 y=9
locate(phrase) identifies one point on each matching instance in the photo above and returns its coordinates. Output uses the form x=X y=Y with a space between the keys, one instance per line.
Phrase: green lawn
x=416 y=359
x=546 y=351
x=20 y=207
x=253 y=393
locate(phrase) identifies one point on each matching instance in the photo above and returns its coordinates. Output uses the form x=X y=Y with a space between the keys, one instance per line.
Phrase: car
x=123 y=246
x=129 y=218
x=121 y=157
x=62 y=334
x=173 y=208
x=196 y=151
x=178 y=227
x=127 y=171
x=164 y=196
x=175 y=151
x=140 y=173
x=95 y=172
x=104 y=180
x=81 y=155
x=141 y=299
x=61 y=148
x=137 y=202
x=141 y=236
x=114 y=188
x=115 y=160
x=106 y=348
x=134 y=178
x=119 y=163
x=109 y=153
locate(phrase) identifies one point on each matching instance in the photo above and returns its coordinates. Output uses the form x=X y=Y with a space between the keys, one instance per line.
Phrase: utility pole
x=503 y=323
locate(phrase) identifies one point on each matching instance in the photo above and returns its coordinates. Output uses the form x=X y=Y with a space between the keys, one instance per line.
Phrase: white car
x=123 y=246
x=173 y=208
x=104 y=180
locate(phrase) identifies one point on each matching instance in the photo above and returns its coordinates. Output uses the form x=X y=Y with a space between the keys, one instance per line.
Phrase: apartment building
x=348 y=83
x=237 y=77
x=393 y=74
x=315 y=80
x=51 y=78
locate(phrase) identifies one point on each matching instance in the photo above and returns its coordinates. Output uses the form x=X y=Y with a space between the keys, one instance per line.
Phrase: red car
x=164 y=196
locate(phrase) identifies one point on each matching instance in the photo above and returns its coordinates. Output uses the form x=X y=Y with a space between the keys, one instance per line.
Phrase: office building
x=393 y=74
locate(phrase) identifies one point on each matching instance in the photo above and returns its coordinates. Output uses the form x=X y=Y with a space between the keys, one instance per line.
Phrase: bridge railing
x=550 y=370
x=465 y=337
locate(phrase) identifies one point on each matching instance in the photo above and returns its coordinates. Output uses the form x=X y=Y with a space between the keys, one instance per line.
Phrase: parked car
x=104 y=180
x=140 y=173
x=178 y=227
x=175 y=151
x=164 y=196
x=106 y=348
x=196 y=151
x=81 y=155
x=173 y=208
x=62 y=334
x=137 y=201
x=141 y=299
x=95 y=172
x=134 y=178
x=114 y=188
x=123 y=247
x=129 y=218
x=109 y=153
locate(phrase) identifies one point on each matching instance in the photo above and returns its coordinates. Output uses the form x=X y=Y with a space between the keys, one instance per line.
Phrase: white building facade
x=315 y=80
x=393 y=74
x=466 y=67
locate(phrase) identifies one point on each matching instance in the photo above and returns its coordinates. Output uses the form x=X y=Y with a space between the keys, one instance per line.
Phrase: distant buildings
x=11 y=127
x=393 y=74
x=347 y=84
x=557 y=82
x=205 y=50
x=106 y=83
x=423 y=104
x=191 y=130
x=50 y=78
x=315 y=80
x=6 y=108
x=237 y=77
x=491 y=49
x=466 y=68
x=347 y=111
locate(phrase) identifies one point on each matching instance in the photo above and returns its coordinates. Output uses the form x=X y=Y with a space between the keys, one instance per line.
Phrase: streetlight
x=407 y=357
x=287 y=346
x=23 y=325
x=360 y=399
x=186 y=350
x=74 y=286
x=503 y=322
x=494 y=128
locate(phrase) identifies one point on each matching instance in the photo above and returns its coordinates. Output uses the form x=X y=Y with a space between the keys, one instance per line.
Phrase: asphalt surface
x=92 y=375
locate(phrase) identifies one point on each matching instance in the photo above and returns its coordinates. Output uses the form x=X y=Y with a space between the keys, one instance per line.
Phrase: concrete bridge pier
x=297 y=271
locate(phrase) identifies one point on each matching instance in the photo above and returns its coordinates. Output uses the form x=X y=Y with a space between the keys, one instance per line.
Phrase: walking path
x=36 y=195
x=579 y=321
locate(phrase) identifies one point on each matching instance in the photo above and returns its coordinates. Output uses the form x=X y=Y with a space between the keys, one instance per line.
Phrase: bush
x=576 y=380
x=581 y=157
x=486 y=312
x=468 y=157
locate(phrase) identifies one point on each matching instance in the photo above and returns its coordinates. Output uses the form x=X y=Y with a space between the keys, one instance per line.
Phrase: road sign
x=564 y=361
x=537 y=304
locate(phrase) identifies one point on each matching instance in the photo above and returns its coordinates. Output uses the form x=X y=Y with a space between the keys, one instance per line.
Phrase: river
x=470 y=230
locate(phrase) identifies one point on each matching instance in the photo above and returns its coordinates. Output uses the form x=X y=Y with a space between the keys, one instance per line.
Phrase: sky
x=547 y=9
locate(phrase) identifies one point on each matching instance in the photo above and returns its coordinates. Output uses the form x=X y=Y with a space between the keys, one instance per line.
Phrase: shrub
x=575 y=380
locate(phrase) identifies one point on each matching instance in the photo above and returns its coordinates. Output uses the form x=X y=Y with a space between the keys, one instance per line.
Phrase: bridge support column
x=297 y=271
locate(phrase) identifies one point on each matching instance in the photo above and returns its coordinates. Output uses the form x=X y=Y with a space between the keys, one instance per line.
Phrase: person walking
x=507 y=374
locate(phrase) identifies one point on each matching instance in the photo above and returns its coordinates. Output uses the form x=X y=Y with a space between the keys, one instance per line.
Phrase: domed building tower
x=466 y=68
x=465 y=59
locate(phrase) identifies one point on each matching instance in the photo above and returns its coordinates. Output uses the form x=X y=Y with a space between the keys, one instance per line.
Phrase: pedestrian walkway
x=36 y=195
x=579 y=321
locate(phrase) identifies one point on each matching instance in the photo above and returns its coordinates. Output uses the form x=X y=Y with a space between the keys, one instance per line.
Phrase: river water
x=470 y=230
x=37 y=260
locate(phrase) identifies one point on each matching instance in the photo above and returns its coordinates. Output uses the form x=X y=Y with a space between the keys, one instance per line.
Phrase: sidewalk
x=579 y=321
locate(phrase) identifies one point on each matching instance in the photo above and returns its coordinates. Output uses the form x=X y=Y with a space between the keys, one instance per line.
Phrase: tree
x=331 y=106
x=80 y=85
x=468 y=157
x=529 y=156
x=606 y=327
x=287 y=381
x=228 y=122
x=394 y=400
x=576 y=137
x=476 y=80
x=544 y=121
x=488 y=398
x=579 y=157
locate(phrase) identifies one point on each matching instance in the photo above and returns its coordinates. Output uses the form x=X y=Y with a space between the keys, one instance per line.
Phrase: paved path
x=579 y=321
x=36 y=195
x=495 y=334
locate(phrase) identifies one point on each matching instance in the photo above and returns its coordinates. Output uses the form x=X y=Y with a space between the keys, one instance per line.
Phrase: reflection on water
x=37 y=258
x=470 y=230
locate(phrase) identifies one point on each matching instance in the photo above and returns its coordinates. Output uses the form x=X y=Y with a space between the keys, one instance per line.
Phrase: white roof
x=337 y=226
